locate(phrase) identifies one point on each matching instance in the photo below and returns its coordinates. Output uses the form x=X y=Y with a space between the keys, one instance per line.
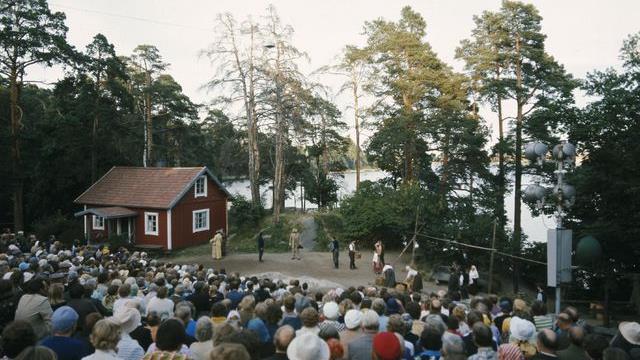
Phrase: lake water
x=534 y=227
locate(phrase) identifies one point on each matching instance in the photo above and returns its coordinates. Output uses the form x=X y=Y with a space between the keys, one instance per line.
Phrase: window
x=98 y=222
x=150 y=223
x=201 y=186
x=200 y=220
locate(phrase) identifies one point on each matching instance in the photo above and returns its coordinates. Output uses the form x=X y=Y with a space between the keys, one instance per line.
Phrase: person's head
x=105 y=335
x=309 y=317
x=413 y=309
x=330 y=310
x=283 y=337
x=353 y=319
x=576 y=335
x=396 y=324
x=594 y=345
x=90 y=321
x=547 y=341
x=452 y=323
x=289 y=303
x=35 y=286
x=370 y=321
x=16 y=337
x=482 y=335
x=308 y=347
x=379 y=306
x=170 y=335
x=573 y=313
x=36 y=353
x=328 y=332
x=229 y=351
x=153 y=319
x=431 y=338
x=222 y=332
x=453 y=348
x=124 y=291
x=76 y=291
x=204 y=329
x=538 y=308
x=183 y=312
x=474 y=317
x=161 y=293
x=219 y=309
x=56 y=293
x=386 y=346
x=63 y=321
x=564 y=321
x=436 y=306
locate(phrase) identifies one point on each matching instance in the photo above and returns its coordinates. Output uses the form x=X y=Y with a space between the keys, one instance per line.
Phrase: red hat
x=387 y=346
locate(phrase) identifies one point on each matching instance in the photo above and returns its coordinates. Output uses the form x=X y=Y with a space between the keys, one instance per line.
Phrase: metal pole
x=558 y=234
x=493 y=246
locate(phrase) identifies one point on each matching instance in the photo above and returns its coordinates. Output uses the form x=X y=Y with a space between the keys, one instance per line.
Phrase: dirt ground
x=316 y=268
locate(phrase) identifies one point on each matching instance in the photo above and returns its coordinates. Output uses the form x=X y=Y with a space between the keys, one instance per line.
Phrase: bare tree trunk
x=16 y=156
x=252 y=126
x=278 y=176
x=517 y=230
x=356 y=116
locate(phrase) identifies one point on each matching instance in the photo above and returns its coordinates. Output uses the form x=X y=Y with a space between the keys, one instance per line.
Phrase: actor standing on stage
x=352 y=255
x=335 y=251
x=294 y=243
x=216 y=246
x=380 y=251
x=260 y=246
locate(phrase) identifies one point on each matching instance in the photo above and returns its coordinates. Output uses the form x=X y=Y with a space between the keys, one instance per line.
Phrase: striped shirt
x=543 y=322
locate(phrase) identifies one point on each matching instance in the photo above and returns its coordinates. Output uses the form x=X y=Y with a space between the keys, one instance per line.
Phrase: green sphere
x=588 y=250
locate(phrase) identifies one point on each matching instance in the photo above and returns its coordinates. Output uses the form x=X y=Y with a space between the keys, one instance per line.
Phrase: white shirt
x=102 y=355
x=129 y=349
x=352 y=247
x=162 y=307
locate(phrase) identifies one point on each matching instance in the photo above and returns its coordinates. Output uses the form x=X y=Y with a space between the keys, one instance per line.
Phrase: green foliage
x=243 y=213
x=65 y=229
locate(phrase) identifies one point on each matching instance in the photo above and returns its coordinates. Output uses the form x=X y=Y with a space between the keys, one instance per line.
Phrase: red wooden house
x=170 y=208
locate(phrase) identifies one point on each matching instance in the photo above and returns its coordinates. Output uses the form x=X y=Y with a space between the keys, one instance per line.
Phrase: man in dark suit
x=260 y=246
x=335 y=251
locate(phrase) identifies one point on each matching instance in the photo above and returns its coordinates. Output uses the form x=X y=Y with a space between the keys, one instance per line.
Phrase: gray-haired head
x=204 y=329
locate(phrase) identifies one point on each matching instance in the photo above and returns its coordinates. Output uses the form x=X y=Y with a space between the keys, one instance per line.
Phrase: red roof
x=152 y=187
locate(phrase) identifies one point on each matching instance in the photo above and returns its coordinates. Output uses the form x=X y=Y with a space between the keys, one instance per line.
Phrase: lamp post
x=558 y=240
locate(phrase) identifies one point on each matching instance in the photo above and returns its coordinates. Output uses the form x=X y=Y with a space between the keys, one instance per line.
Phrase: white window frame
x=193 y=220
x=97 y=226
x=146 y=222
x=203 y=193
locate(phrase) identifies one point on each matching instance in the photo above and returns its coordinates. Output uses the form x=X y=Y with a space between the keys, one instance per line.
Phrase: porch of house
x=117 y=221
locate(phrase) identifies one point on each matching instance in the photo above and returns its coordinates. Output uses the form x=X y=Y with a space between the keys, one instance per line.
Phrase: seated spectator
x=547 y=345
x=159 y=304
x=229 y=351
x=282 y=338
x=309 y=318
x=85 y=335
x=219 y=313
x=431 y=342
x=453 y=349
x=105 y=337
x=169 y=342
x=64 y=321
x=56 y=296
x=575 y=351
x=37 y=353
x=128 y=319
x=204 y=333
x=331 y=311
x=386 y=346
x=16 y=337
x=290 y=316
x=627 y=338
x=308 y=346
x=541 y=318
x=361 y=348
x=80 y=304
x=483 y=340
x=352 y=322
x=184 y=313
x=34 y=307
x=594 y=345
x=564 y=323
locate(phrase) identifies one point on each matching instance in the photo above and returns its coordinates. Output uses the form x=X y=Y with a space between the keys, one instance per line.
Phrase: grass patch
x=276 y=236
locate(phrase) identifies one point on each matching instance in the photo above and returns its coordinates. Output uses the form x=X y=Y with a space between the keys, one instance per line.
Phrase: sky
x=583 y=35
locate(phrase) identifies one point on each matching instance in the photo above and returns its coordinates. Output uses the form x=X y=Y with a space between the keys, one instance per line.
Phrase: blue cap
x=23 y=266
x=63 y=319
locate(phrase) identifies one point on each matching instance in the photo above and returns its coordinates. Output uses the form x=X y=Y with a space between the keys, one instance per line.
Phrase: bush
x=64 y=229
x=244 y=213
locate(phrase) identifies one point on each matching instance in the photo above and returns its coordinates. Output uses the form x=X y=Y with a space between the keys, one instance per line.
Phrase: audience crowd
x=93 y=303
